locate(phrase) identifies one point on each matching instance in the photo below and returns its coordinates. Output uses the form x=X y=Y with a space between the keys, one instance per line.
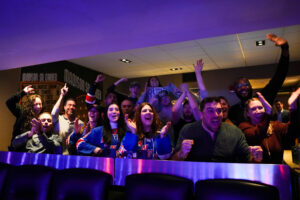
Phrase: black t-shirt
x=177 y=127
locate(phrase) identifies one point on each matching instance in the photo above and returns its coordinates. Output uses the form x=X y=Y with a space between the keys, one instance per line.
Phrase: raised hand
x=186 y=147
x=199 y=65
x=64 y=90
x=184 y=87
x=35 y=127
x=146 y=87
x=165 y=129
x=130 y=124
x=77 y=126
x=293 y=99
x=123 y=79
x=265 y=103
x=28 y=89
x=278 y=41
x=100 y=78
x=256 y=153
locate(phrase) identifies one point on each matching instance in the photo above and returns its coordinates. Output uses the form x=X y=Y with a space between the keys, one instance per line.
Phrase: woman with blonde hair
x=270 y=135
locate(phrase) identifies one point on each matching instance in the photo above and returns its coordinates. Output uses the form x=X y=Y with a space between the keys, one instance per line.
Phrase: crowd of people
x=150 y=126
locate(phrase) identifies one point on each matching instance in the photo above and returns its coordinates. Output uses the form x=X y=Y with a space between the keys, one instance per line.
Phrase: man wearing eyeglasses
x=40 y=139
x=243 y=88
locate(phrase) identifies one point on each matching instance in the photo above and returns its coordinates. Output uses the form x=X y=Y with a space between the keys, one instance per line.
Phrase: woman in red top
x=270 y=135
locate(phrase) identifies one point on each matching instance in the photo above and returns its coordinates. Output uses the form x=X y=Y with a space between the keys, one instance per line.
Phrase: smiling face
x=225 y=108
x=37 y=105
x=93 y=115
x=46 y=122
x=154 y=82
x=70 y=108
x=212 y=116
x=255 y=111
x=113 y=113
x=243 y=89
x=147 y=116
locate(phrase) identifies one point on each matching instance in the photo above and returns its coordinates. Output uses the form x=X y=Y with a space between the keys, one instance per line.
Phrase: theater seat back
x=27 y=182
x=152 y=186
x=233 y=189
x=87 y=184
x=3 y=173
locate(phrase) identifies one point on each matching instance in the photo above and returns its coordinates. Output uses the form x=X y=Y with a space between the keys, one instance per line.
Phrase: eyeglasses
x=242 y=85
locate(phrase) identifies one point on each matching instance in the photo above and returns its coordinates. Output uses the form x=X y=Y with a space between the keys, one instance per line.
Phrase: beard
x=188 y=117
x=244 y=98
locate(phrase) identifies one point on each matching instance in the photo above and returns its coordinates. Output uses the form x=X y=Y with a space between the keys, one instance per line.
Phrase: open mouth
x=45 y=127
x=115 y=116
x=148 y=118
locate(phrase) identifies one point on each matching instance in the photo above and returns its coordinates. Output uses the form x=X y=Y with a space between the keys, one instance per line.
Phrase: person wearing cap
x=94 y=120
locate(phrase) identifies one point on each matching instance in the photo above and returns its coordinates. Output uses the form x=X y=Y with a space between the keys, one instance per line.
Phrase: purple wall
x=34 y=31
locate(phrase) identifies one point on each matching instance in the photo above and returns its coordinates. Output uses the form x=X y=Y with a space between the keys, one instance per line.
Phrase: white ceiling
x=217 y=52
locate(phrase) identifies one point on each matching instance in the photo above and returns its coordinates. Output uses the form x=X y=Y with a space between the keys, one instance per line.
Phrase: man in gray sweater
x=40 y=139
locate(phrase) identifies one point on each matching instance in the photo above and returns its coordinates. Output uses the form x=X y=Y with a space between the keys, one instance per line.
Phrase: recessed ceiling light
x=176 y=69
x=124 y=60
x=260 y=43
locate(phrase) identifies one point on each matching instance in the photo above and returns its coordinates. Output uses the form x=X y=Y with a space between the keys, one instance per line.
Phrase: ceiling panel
x=217 y=53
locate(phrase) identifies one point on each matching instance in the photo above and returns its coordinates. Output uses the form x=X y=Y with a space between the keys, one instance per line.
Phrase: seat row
x=36 y=182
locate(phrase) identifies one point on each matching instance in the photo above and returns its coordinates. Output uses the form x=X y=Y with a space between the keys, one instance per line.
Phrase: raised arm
x=21 y=140
x=55 y=109
x=13 y=102
x=198 y=72
x=265 y=103
x=177 y=108
x=293 y=130
x=112 y=88
x=193 y=103
x=90 y=96
x=271 y=89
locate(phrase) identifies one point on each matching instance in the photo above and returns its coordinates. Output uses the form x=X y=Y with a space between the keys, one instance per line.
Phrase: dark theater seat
x=27 y=182
x=80 y=184
x=153 y=186
x=3 y=172
x=233 y=189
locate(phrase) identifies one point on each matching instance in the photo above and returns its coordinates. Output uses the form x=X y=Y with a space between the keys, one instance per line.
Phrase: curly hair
x=107 y=132
x=156 y=124
x=28 y=111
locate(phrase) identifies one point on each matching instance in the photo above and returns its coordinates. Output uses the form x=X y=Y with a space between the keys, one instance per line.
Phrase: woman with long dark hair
x=146 y=138
x=104 y=140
